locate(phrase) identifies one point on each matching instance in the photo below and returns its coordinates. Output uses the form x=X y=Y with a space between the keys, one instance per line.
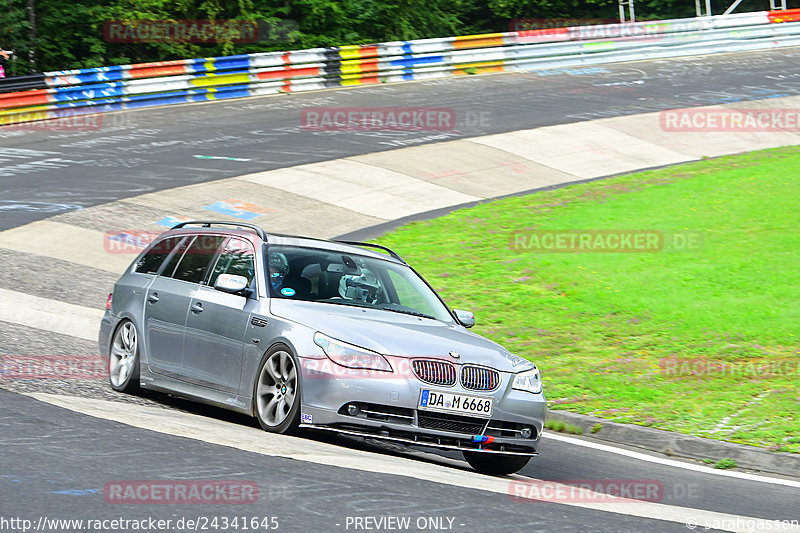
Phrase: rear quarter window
x=150 y=262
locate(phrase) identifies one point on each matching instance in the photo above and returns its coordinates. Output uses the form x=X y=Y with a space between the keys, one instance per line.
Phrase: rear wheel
x=123 y=359
x=277 y=392
x=496 y=464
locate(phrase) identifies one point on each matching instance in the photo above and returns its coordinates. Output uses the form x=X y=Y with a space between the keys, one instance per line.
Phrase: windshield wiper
x=354 y=303
x=346 y=303
x=407 y=312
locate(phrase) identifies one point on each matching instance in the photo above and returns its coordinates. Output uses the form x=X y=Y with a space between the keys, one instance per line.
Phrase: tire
x=123 y=358
x=276 y=391
x=496 y=464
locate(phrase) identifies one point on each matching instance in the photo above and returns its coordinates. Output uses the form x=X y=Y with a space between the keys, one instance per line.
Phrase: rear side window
x=237 y=258
x=194 y=262
x=149 y=262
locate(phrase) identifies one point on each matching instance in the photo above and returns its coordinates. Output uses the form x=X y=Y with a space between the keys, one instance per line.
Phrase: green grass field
x=703 y=340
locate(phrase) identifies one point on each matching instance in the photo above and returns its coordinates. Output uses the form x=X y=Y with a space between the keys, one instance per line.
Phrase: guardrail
x=193 y=80
x=22 y=83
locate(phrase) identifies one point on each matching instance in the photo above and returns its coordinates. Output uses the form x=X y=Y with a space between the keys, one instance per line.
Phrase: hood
x=396 y=334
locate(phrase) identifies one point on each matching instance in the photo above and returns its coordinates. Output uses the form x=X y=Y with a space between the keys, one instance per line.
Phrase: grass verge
x=700 y=337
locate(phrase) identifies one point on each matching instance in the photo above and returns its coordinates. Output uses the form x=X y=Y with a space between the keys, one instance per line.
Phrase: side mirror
x=465 y=318
x=230 y=283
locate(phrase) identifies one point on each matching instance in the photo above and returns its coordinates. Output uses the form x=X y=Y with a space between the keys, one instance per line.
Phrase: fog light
x=525 y=432
x=353 y=409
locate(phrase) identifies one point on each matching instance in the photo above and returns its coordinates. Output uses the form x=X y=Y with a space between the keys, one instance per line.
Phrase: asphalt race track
x=56 y=461
x=136 y=152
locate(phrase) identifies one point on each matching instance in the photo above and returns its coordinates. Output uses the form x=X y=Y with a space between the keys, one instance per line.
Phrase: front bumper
x=420 y=440
x=387 y=408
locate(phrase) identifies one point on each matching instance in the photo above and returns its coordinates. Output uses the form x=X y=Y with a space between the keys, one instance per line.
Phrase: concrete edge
x=378 y=230
x=373 y=232
x=679 y=445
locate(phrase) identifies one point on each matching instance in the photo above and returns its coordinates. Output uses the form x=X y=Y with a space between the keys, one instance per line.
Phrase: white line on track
x=50 y=315
x=250 y=439
x=671 y=462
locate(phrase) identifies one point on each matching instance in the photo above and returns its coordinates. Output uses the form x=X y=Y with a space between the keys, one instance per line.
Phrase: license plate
x=447 y=402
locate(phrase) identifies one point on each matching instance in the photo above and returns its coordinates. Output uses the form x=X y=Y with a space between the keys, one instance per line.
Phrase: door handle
x=197 y=308
x=153 y=298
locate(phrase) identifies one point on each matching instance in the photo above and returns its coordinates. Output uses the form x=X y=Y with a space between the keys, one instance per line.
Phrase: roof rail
x=207 y=224
x=372 y=245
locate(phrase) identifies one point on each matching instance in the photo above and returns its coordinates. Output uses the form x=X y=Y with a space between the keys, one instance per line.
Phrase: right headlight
x=528 y=381
x=350 y=356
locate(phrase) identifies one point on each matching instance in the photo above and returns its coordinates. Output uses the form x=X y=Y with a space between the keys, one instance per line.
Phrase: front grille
x=478 y=378
x=434 y=372
x=455 y=424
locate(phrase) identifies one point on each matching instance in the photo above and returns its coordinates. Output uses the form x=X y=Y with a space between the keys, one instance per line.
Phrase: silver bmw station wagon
x=325 y=335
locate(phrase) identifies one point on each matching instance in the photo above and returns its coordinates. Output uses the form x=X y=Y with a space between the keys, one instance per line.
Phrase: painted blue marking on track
x=227 y=209
x=76 y=492
x=170 y=221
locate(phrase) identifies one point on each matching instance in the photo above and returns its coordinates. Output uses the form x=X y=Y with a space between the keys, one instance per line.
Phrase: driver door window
x=194 y=263
x=237 y=258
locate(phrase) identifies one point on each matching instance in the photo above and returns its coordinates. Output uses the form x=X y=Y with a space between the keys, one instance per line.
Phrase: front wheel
x=277 y=392
x=123 y=359
x=496 y=464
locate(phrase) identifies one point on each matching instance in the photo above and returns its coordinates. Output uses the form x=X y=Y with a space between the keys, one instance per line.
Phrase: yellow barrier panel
x=219 y=79
x=478 y=41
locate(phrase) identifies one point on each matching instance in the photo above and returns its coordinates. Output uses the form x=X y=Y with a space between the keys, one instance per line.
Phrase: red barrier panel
x=24 y=99
x=155 y=71
x=288 y=72
x=788 y=15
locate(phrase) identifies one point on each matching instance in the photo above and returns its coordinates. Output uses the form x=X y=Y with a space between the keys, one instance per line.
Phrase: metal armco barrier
x=22 y=83
x=195 y=80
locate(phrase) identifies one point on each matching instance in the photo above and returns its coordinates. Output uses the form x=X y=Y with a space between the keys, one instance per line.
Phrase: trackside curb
x=680 y=445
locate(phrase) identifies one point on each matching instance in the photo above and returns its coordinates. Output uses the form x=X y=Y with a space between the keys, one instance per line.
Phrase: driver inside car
x=278 y=268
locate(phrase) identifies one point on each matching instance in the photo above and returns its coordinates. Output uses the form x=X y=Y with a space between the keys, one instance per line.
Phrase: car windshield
x=344 y=278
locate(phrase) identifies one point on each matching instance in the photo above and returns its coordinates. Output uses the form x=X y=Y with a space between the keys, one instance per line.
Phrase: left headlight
x=528 y=381
x=351 y=356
